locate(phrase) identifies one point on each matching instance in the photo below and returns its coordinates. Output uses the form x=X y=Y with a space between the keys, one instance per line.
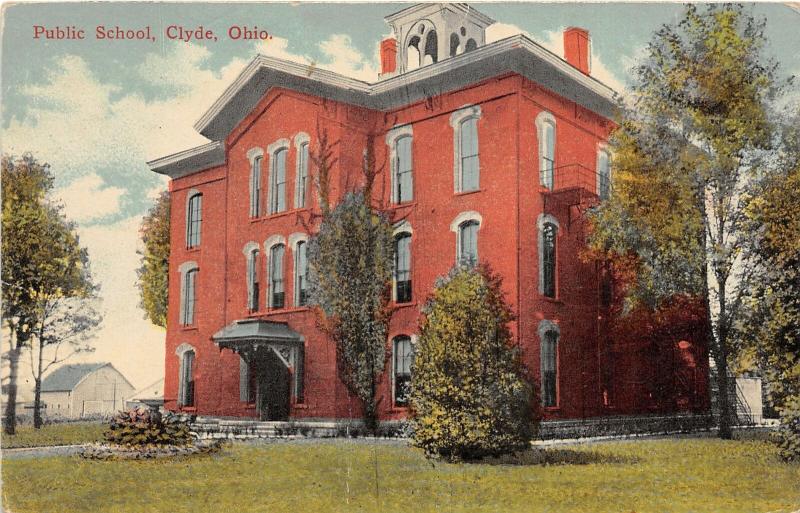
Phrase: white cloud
x=88 y=199
x=553 y=40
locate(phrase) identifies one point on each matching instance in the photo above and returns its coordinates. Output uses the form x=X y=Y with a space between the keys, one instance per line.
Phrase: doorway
x=273 y=387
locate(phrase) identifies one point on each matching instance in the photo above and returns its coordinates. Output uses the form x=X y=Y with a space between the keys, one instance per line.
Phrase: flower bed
x=101 y=451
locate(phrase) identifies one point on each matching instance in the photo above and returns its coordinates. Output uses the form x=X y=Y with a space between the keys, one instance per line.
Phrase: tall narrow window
x=603 y=174
x=278 y=182
x=255 y=188
x=277 y=294
x=470 y=165
x=402 y=268
x=546 y=133
x=189 y=291
x=186 y=379
x=548 y=260
x=403 y=170
x=301 y=274
x=549 y=357
x=302 y=176
x=194 y=219
x=468 y=243
x=253 y=287
x=403 y=357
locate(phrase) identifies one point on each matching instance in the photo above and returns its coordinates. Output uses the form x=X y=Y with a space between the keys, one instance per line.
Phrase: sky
x=98 y=110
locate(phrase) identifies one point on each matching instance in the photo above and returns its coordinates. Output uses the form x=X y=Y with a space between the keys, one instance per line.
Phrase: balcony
x=573 y=185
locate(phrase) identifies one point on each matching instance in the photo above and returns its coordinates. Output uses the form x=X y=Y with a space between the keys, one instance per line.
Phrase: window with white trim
x=403 y=356
x=403 y=178
x=468 y=243
x=302 y=176
x=548 y=237
x=276 y=289
x=188 y=293
x=466 y=163
x=194 y=218
x=301 y=273
x=253 y=288
x=402 y=267
x=186 y=378
x=546 y=132
x=255 y=186
x=603 y=173
x=549 y=361
x=278 y=182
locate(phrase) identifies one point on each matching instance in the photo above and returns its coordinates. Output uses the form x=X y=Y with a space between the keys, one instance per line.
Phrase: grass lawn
x=54 y=434
x=670 y=475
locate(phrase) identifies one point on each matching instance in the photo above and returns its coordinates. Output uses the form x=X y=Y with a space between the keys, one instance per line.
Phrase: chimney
x=577 y=48
x=388 y=56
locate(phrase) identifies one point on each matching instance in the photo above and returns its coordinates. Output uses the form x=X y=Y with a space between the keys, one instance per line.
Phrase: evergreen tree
x=153 y=272
x=469 y=394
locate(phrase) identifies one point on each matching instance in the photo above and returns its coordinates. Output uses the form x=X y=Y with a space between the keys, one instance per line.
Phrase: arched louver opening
x=431 y=48
x=454 y=42
x=471 y=45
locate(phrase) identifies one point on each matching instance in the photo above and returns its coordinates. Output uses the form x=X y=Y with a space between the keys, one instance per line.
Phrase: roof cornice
x=189 y=161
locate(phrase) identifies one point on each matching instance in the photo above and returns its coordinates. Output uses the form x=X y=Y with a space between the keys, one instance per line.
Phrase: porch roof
x=256 y=330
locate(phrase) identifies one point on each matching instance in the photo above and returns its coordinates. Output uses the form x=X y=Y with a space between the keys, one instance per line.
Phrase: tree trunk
x=725 y=412
x=10 y=421
x=37 y=404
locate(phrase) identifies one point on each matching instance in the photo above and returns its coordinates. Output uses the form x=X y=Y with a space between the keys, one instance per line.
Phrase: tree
x=153 y=271
x=45 y=271
x=350 y=267
x=683 y=169
x=469 y=394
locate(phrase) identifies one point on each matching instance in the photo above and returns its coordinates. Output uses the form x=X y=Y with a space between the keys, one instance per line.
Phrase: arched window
x=403 y=353
x=403 y=179
x=546 y=131
x=301 y=274
x=454 y=44
x=549 y=232
x=431 y=49
x=468 y=243
x=402 y=268
x=194 y=218
x=186 y=378
x=471 y=45
x=278 y=182
x=276 y=289
x=470 y=165
x=189 y=273
x=253 y=288
x=301 y=188
x=255 y=187
x=603 y=173
x=549 y=361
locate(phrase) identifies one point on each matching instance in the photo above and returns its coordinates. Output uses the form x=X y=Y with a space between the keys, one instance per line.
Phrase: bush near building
x=469 y=393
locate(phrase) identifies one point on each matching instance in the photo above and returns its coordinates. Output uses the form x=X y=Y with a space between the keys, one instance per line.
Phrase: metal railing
x=575 y=176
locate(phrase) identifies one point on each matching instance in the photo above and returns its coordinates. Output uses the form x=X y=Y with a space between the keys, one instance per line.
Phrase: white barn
x=85 y=389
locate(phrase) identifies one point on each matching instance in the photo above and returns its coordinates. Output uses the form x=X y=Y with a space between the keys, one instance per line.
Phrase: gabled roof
x=66 y=377
x=516 y=54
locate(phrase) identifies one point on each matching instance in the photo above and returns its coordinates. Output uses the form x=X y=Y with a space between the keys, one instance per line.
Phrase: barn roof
x=66 y=377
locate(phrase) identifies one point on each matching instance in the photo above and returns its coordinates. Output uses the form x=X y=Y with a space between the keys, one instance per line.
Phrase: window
x=402 y=268
x=403 y=191
x=302 y=176
x=186 y=379
x=403 y=356
x=468 y=243
x=549 y=357
x=278 y=182
x=466 y=161
x=548 y=261
x=188 y=293
x=253 y=289
x=276 y=276
x=301 y=273
x=603 y=174
x=255 y=187
x=193 y=219
x=546 y=131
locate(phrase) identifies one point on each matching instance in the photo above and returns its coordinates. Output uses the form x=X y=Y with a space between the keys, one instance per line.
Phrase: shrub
x=469 y=394
x=789 y=433
x=140 y=426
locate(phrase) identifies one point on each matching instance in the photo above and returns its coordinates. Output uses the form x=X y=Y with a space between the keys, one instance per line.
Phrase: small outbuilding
x=85 y=390
x=151 y=396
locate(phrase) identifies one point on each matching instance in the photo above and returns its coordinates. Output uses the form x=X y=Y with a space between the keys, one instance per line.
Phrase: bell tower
x=428 y=33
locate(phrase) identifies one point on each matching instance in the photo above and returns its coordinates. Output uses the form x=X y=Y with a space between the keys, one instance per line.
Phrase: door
x=273 y=388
